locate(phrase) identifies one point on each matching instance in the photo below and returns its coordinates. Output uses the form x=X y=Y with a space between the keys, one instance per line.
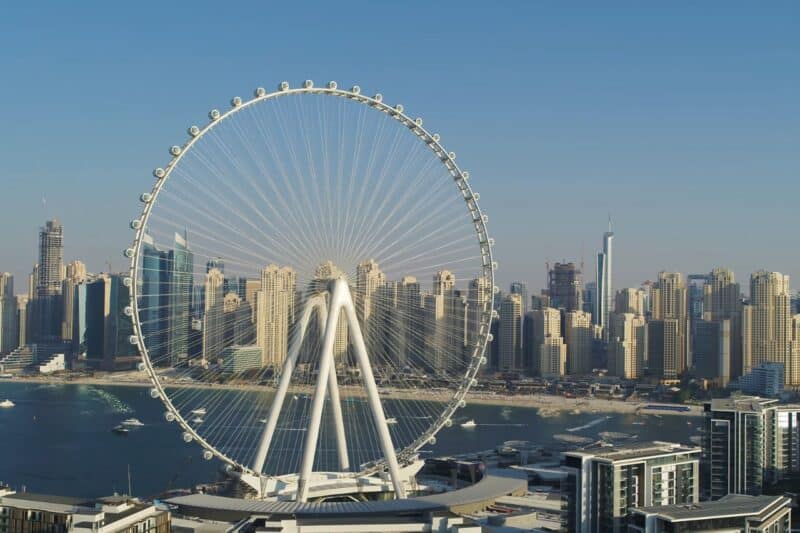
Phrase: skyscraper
x=75 y=275
x=410 y=321
x=565 y=287
x=519 y=287
x=324 y=274
x=48 y=286
x=578 y=334
x=605 y=289
x=722 y=300
x=275 y=313
x=767 y=322
x=181 y=280
x=369 y=278
x=154 y=302
x=630 y=300
x=542 y=324
x=213 y=323
x=9 y=327
x=107 y=326
x=627 y=348
x=510 y=332
x=667 y=331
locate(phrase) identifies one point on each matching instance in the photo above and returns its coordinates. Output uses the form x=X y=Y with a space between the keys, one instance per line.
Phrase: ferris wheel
x=311 y=285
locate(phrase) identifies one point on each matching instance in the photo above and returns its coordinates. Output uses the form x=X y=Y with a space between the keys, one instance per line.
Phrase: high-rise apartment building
x=479 y=296
x=605 y=288
x=213 y=316
x=154 y=302
x=603 y=485
x=9 y=326
x=48 y=285
x=521 y=288
x=276 y=301
x=767 y=323
x=22 y=320
x=510 y=332
x=722 y=300
x=630 y=300
x=565 y=287
x=667 y=331
x=627 y=349
x=75 y=275
x=579 y=336
x=540 y=324
x=553 y=357
x=711 y=350
x=369 y=278
x=750 y=442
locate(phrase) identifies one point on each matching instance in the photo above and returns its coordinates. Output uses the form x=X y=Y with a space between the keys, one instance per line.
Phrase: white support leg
x=378 y=415
x=326 y=363
x=317 y=302
x=338 y=420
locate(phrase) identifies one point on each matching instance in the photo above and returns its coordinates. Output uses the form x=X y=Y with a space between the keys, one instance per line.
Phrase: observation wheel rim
x=447 y=159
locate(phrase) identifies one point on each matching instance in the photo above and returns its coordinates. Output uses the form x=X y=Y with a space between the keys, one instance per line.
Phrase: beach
x=546 y=403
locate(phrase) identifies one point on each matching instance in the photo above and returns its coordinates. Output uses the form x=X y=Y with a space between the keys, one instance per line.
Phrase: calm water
x=57 y=439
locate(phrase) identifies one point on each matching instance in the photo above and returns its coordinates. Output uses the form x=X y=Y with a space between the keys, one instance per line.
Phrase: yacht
x=120 y=430
x=6 y=403
x=199 y=412
x=133 y=422
x=469 y=423
x=197 y=420
x=391 y=420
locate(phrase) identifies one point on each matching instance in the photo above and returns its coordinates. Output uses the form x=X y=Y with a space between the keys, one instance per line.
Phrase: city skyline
x=612 y=134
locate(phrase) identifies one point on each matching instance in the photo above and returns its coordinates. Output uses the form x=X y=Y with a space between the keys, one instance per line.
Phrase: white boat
x=199 y=412
x=6 y=404
x=469 y=424
x=391 y=420
x=295 y=397
x=133 y=422
x=120 y=430
x=197 y=420
x=263 y=420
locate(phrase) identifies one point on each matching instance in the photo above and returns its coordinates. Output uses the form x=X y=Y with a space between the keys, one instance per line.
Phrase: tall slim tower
x=605 y=289
x=9 y=328
x=213 y=325
x=48 y=286
x=369 y=278
x=275 y=313
x=181 y=279
x=667 y=352
x=510 y=332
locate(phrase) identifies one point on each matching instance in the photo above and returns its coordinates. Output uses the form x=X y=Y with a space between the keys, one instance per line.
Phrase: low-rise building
x=731 y=514
x=27 y=512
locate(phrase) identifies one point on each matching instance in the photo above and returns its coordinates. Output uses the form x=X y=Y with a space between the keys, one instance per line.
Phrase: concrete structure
x=668 y=336
x=28 y=512
x=767 y=324
x=750 y=443
x=213 y=315
x=735 y=513
x=9 y=326
x=56 y=363
x=765 y=380
x=565 y=287
x=275 y=313
x=605 y=286
x=603 y=485
x=711 y=350
x=579 y=336
x=236 y=358
x=540 y=324
x=510 y=332
x=722 y=300
x=627 y=347
x=48 y=285
x=630 y=300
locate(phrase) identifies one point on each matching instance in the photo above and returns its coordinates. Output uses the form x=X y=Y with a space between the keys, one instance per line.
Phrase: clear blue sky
x=682 y=121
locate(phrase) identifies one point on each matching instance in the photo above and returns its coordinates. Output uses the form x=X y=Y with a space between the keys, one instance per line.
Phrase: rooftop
x=639 y=450
x=727 y=506
x=741 y=403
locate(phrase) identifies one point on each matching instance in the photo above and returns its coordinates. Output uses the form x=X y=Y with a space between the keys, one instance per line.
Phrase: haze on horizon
x=681 y=121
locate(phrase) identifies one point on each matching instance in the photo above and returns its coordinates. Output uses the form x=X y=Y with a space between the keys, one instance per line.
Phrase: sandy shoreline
x=547 y=404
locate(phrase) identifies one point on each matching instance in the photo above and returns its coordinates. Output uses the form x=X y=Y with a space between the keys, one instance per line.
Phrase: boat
x=133 y=422
x=199 y=412
x=295 y=397
x=6 y=404
x=637 y=423
x=469 y=423
x=391 y=420
x=263 y=420
x=120 y=430
x=197 y=420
